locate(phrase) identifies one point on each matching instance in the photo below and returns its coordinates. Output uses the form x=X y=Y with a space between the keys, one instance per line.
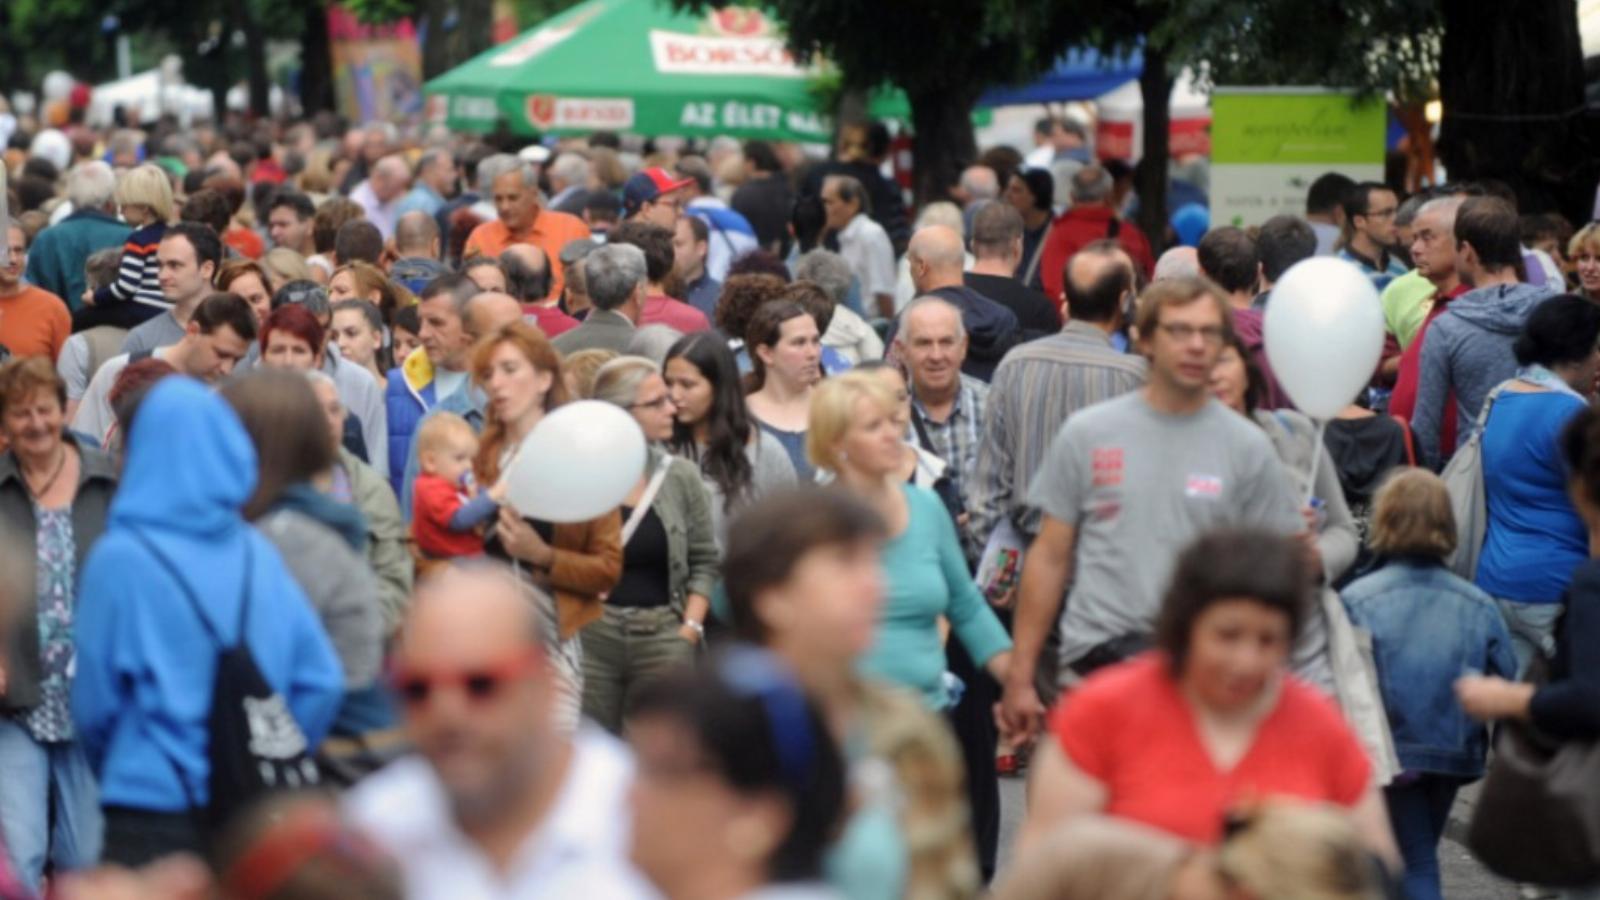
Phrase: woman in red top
x=1211 y=720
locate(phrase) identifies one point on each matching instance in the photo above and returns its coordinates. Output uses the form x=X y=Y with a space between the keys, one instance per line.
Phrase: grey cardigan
x=684 y=507
x=340 y=586
x=97 y=482
x=387 y=553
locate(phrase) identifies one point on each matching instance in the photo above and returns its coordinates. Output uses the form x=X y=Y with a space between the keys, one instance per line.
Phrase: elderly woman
x=354 y=482
x=576 y=563
x=54 y=497
x=655 y=616
x=1177 y=737
x=1583 y=251
x=856 y=435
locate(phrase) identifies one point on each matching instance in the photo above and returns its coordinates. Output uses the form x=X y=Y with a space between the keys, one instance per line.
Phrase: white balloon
x=578 y=463
x=57 y=85
x=1324 y=334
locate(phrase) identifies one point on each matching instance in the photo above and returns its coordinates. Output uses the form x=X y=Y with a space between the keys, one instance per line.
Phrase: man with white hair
x=977 y=188
x=1090 y=218
x=380 y=194
x=1178 y=262
x=569 y=178
x=55 y=262
x=615 y=277
x=523 y=218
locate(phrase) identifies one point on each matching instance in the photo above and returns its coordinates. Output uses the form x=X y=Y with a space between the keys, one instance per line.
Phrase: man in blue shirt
x=690 y=246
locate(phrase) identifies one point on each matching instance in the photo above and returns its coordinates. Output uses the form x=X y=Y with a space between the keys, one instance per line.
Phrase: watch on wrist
x=697 y=627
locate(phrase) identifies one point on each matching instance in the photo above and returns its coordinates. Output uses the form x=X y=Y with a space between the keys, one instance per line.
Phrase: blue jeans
x=1533 y=629
x=49 y=804
x=1419 y=811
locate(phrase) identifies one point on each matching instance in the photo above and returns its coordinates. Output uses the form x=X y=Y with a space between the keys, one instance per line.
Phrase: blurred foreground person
x=298 y=848
x=499 y=802
x=177 y=580
x=740 y=787
x=1279 y=850
x=804 y=579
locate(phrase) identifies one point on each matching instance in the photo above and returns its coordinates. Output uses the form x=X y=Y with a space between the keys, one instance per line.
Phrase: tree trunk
x=942 y=140
x=436 y=50
x=255 y=53
x=1511 y=83
x=316 y=61
x=1150 y=178
x=474 y=29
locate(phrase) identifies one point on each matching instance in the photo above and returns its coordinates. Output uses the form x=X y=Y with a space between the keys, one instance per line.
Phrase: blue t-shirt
x=927 y=577
x=1534 y=540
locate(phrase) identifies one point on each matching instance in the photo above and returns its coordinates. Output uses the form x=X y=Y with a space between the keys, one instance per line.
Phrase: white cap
x=538 y=154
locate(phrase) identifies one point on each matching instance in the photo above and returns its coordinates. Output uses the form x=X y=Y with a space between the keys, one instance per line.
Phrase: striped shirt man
x=1038 y=385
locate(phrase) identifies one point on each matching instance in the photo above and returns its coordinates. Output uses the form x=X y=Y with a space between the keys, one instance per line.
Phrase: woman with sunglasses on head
x=575 y=563
x=655 y=616
x=804 y=579
x=738 y=461
x=739 y=786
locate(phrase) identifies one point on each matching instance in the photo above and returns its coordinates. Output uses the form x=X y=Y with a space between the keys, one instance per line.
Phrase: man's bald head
x=416 y=234
x=1096 y=280
x=527 y=272
x=489 y=311
x=467 y=607
x=936 y=256
x=390 y=178
x=1178 y=262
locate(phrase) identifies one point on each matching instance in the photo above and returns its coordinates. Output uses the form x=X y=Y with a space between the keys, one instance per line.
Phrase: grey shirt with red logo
x=1139 y=486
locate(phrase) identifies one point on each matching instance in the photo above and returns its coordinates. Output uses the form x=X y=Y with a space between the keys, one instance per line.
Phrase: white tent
x=152 y=94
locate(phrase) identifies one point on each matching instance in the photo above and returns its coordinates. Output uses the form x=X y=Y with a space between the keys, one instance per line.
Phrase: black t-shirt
x=646 y=571
x=1035 y=313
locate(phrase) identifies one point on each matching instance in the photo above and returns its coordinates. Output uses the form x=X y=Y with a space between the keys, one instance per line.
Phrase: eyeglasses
x=480 y=685
x=1211 y=335
x=657 y=403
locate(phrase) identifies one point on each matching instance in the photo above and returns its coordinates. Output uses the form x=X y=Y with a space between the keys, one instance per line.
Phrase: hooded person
x=146 y=660
x=1468 y=348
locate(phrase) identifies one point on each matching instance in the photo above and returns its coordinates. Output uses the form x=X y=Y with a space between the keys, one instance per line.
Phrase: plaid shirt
x=956 y=439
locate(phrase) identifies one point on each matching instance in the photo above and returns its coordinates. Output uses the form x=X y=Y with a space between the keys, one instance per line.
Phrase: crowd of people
x=1004 y=488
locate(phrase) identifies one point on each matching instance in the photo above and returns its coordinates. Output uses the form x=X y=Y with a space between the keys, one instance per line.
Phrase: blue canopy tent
x=1079 y=75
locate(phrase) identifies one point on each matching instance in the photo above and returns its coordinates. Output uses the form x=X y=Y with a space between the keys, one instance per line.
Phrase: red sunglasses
x=479 y=684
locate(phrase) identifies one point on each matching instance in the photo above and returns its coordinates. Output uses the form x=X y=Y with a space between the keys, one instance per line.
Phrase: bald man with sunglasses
x=497 y=802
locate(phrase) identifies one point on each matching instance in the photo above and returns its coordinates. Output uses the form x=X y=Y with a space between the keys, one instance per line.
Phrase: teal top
x=926 y=575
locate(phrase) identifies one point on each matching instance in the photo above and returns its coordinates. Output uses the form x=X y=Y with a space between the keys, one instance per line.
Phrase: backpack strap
x=1410 y=443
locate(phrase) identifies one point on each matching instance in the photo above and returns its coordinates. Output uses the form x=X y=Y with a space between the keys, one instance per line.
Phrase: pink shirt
x=674 y=314
x=549 y=320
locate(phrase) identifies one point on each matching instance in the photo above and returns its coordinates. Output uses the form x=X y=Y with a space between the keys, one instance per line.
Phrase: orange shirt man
x=524 y=221
x=33 y=321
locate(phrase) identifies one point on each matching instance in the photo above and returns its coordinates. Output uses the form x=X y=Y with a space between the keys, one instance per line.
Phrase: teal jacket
x=55 y=261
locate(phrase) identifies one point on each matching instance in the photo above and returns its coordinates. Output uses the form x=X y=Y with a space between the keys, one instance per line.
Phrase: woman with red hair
x=292 y=338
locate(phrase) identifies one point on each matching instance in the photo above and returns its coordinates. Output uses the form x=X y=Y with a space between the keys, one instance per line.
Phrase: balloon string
x=1316 y=460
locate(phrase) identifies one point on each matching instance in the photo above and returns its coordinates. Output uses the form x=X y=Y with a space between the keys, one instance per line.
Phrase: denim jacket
x=1428 y=628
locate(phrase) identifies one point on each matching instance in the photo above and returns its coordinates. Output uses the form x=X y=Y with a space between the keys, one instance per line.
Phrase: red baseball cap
x=644 y=187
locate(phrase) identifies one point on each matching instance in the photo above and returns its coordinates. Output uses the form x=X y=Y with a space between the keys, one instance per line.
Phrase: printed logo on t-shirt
x=1207 y=486
x=1108 y=466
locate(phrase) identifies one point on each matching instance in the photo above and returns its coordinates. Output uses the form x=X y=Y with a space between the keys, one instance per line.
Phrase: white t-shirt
x=866 y=247
x=579 y=851
x=94 y=417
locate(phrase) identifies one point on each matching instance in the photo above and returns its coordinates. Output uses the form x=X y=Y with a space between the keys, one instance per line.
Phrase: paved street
x=1464 y=878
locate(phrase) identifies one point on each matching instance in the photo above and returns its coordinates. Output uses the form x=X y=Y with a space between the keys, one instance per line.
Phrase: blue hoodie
x=1467 y=349
x=145 y=663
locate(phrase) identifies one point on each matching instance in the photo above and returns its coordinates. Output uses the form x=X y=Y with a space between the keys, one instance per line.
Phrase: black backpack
x=255 y=746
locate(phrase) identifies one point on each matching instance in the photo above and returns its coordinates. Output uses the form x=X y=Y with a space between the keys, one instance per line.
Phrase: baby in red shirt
x=446 y=507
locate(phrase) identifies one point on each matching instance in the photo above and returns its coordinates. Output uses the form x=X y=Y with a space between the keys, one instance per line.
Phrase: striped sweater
x=137 y=279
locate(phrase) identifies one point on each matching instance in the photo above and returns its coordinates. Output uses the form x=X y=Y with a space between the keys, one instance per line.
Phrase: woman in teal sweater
x=856 y=434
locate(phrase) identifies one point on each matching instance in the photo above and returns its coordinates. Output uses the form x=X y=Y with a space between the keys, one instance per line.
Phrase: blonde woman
x=855 y=433
x=365 y=281
x=145 y=196
x=1583 y=251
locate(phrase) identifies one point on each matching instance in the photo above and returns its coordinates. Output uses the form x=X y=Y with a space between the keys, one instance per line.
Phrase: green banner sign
x=1288 y=128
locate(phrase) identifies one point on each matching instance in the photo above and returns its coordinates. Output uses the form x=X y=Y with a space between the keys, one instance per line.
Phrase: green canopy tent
x=641 y=66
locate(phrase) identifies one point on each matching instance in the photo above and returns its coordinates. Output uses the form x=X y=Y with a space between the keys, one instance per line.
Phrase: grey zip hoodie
x=1468 y=349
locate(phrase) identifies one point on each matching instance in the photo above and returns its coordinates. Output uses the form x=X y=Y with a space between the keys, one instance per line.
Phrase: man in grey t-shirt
x=1127 y=484
x=188 y=255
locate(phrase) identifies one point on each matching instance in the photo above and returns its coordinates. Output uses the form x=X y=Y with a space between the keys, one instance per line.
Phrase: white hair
x=942 y=212
x=91 y=185
x=980 y=183
x=570 y=168
x=493 y=168
x=927 y=301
